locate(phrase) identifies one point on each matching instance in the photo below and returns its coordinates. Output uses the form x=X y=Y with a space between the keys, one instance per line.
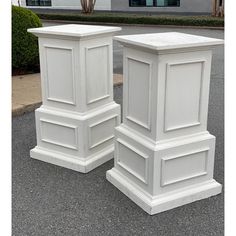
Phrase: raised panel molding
x=97 y=73
x=183 y=167
x=135 y=156
x=138 y=106
x=60 y=77
x=59 y=134
x=183 y=94
x=76 y=71
x=175 y=69
x=101 y=131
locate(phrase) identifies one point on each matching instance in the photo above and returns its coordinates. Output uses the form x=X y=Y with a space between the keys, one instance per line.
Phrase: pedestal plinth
x=75 y=124
x=164 y=155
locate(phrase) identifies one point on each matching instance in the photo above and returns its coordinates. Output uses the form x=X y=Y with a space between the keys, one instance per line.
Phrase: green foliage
x=24 y=45
x=124 y=18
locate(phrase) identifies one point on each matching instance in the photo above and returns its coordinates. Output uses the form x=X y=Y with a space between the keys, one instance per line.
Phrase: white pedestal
x=164 y=156
x=75 y=124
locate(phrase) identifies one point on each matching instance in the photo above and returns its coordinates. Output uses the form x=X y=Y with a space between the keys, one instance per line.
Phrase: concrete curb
x=22 y=88
x=25 y=109
x=136 y=25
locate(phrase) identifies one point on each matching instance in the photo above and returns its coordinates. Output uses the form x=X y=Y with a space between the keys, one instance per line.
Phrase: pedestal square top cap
x=74 y=30
x=167 y=41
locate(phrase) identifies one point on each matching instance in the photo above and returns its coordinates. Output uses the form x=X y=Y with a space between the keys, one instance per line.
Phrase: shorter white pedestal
x=164 y=156
x=75 y=124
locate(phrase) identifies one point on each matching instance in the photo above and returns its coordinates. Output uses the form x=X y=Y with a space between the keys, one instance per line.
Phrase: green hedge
x=139 y=19
x=24 y=45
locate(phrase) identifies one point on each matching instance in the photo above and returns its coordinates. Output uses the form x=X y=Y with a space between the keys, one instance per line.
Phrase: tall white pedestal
x=75 y=124
x=164 y=155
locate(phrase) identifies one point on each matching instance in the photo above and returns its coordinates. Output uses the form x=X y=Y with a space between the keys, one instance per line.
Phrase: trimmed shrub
x=25 y=53
x=139 y=19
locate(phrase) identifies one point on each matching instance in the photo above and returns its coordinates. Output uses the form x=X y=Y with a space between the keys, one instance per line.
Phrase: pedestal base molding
x=78 y=141
x=80 y=165
x=163 y=175
x=154 y=205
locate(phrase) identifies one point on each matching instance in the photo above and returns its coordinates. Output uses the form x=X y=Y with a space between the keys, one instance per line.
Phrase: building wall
x=75 y=4
x=14 y=2
x=198 y=6
x=203 y=6
x=100 y=4
x=23 y=3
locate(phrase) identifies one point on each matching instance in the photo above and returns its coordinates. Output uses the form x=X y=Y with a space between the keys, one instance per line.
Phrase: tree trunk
x=223 y=8
x=87 y=6
x=213 y=8
x=218 y=8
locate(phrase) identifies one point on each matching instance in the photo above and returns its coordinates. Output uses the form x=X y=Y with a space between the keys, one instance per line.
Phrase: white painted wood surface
x=74 y=30
x=75 y=124
x=169 y=40
x=164 y=155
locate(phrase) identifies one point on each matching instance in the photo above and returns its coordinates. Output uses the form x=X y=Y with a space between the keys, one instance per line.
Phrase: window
x=38 y=3
x=154 y=3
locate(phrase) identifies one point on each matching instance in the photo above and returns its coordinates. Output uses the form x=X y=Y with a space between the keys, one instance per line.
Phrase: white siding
x=14 y=2
x=75 y=4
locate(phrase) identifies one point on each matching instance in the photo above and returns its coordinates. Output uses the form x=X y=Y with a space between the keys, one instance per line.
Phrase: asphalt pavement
x=51 y=200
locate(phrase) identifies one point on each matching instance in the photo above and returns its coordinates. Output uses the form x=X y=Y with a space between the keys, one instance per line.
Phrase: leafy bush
x=24 y=45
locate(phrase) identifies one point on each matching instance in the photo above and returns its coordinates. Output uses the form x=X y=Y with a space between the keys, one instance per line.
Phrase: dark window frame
x=39 y=3
x=154 y=4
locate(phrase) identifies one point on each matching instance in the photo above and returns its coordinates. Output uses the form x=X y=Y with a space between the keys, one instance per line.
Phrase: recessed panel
x=138 y=104
x=132 y=160
x=97 y=73
x=60 y=77
x=59 y=134
x=183 y=167
x=183 y=95
x=101 y=131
